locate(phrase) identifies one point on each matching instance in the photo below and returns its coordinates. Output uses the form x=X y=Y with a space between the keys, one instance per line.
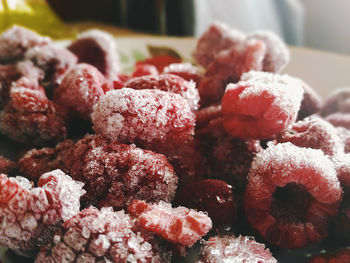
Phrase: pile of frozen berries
x=141 y=167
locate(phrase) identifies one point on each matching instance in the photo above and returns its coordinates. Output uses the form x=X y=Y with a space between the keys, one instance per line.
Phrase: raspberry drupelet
x=153 y=119
x=291 y=195
x=261 y=105
x=179 y=225
x=98 y=49
x=341 y=255
x=170 y=83
x=80 y=90
x=28 y=215
x=103 y=235
x=229 y=248
x=114 y=174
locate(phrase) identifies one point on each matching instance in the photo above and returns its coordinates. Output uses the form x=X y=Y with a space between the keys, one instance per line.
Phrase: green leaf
x=138 y=55
x=123 y=57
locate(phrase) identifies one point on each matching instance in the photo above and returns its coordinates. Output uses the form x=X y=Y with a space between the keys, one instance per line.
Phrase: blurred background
x=321 y=24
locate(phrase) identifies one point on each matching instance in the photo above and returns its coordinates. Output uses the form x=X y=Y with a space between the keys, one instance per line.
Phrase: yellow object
x=33 y=14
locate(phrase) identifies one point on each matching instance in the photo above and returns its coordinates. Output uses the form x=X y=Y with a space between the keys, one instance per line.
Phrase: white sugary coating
x=182 y=67
x=286 y=163
x=231 y=249
x=145 y=116
x=277 y=54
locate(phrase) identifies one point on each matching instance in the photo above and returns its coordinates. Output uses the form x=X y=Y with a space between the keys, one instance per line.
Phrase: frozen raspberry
x=29 y=117
x=144 y=70
x=342 y=166
x=228 y=67
x=15 y=41
x=28 y=215
x=160 y=61
x=316 y=133
x=291 y=195
x=80 y=90
x=344 y=135
x=217 y=38
x=98 y=49
x=35 y=162
x=102 y=236
x=277 y=54
x=8 y=73
x=210 y=195
x=207 y=114
x=117 y=82
x=114 y=174
x=179 y=225
x=261 y=105
x=153 y=119
x=185 y=70
x=168 y=82
x=54 y=61
x=341 y=255
x=338 y=101
x=229 y=248
x=6 y=165
x=339 y=119
x=31 y=72
x=311 y=102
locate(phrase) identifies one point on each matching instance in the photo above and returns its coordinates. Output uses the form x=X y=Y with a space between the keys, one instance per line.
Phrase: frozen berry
x=153 y=119
x=217 y=38
x=210 y=195
x=261 y=105
x=35 y=162
x=316 y=133
x=344 y=135
x=207 y=114
x=291 y=195
x=80 y=90
x=229 y=248
x=341 y=255
x=145 y=70
x=168 y=82
x=311 y=102
x=339 y=119
x=28 y=215
x=179 y=225
x=98 y=49
x=185 y=70
x=337 y=101
x=102 y=236
x=15 y=41
x=6 y=165
x=277 y=54
x=114 y=174
x=159 y=61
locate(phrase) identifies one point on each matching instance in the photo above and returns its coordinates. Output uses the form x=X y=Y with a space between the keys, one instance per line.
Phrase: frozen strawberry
x=291 y=195
x=80 y=90
x=144 y=70
x=54 y=61
x=168 y=82
x=229 y=248
x=338 y=101
x=210 y=195
x=153 y=119
x=28 y=215
x=261 y=105
x=228 y=67
x=185 y=70
x=98 y=49
x=339 y=119
x=179 y=225
x=160 y=61
x=15 y=41
x=311 y=102
x=35 y=162
x=217 y=38
x=341 y=255
x=316 y=133
x=114 y=174
x=103 y=235
x=277 y=54
x=6 y=165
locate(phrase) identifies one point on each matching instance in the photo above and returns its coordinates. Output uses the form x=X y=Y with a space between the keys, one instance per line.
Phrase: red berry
x=339 y=119
x=210 y=195
x=167 y=82
x=98 y=49
x=103 y=235
x=184 y=70
x=80 y=90
x=339 y=256
x=311 y=102
x=28 y=215
x=114 y=174
x=144 y=70
x=291 y=194
x=150 y=118
x=6 y=165
x=338 y=101
x=179 y=225
x=261 y=105
x=160 y=61
x=234 y=249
